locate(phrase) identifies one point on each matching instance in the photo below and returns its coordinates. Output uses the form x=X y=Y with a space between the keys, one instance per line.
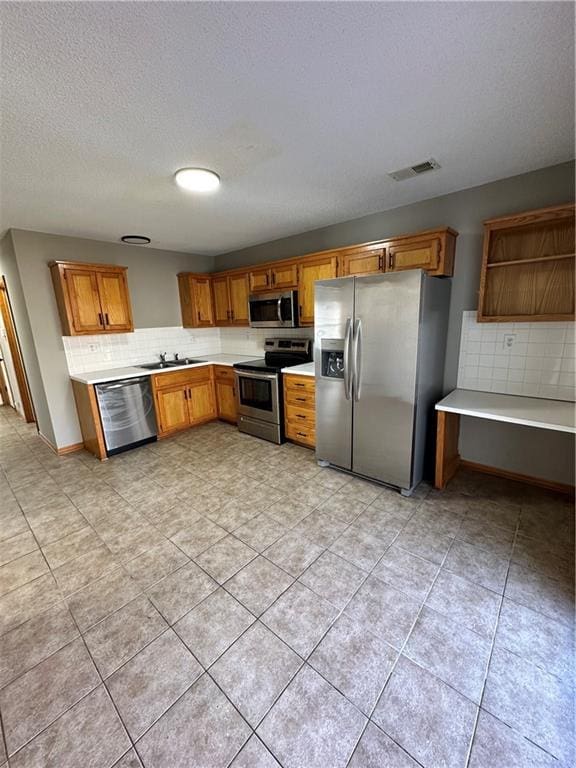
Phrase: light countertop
x=557 y=415
x=132 y=371
x=304 y=369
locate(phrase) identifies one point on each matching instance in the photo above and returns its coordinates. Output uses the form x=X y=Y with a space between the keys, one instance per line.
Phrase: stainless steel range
x=259 y=387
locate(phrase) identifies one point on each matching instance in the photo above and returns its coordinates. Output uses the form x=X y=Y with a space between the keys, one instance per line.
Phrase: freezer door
x=385 y=354
x=333 y=322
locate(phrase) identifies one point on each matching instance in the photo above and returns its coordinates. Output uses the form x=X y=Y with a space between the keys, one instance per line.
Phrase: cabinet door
x=84 y=301
x=172 y=409
x=114 y=301
x=238 y=294
x=321 y=268
x=221 y=300
x=284 y=276
x=419 y=254
x=226 y=397
x=201 y=401
x=260 y=280
x=202 y=293
x=362 y=262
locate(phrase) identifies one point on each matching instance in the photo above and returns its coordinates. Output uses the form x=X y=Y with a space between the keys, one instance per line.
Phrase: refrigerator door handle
x=348 y=359
x=357 y=343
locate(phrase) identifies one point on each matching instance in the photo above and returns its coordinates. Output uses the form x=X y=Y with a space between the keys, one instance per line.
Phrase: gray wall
x=9 y=269
x=153 y=291
x=464 y=211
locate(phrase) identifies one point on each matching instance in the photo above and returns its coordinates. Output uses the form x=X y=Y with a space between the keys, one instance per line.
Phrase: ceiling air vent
x=415 y=170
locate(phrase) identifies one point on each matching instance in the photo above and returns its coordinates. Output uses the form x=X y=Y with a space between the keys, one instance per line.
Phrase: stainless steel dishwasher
x=127 y=413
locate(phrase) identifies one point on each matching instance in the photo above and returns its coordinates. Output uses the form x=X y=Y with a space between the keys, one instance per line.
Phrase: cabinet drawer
x=301 y=399
x=297 y=384
x=189 y=376
x=224 y=373
x=301 y=434
x=300 y=416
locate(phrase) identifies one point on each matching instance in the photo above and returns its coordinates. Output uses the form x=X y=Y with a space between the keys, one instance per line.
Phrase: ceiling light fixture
x=135 y=239
x=197 y=179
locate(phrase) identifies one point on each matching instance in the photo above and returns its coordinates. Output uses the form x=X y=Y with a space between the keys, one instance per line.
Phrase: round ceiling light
x=135 y=239
x=197 y=179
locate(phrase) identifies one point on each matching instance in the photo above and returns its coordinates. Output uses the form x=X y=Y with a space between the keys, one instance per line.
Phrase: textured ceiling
x=302 y=108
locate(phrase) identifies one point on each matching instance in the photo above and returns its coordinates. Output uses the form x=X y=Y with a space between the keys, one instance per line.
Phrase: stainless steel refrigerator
x=379 y=349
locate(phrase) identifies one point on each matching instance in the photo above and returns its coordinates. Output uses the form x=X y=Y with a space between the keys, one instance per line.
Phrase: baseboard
x=549 y=485
x=74 y=448
x=61 y=451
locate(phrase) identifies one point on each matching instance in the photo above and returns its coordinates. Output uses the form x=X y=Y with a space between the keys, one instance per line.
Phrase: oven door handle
x=279 y=311
x=251 y=375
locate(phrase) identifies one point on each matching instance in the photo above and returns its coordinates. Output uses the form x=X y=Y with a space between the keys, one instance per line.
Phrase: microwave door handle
x=357 y=359
x=279 y=311
x=348 y=359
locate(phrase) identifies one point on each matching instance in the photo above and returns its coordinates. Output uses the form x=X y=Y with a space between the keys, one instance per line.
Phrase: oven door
x=258 y=395
x=274 y=310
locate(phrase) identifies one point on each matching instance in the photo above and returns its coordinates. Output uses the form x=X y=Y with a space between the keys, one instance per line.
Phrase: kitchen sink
x=154 y=366
x=169 y=364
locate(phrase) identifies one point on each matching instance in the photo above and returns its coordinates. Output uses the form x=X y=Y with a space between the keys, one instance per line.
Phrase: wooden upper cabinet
x=81 y=289
x=281 y=276
x=528 y=267
x=310 y=270
x=362 y=261
x=230 y=295
x=113 y=290
x=91 y=298
x=196 y=300
x=284 y=276
x=432 y=251
x=221 y=300
x=238 y=298
x=260 y=280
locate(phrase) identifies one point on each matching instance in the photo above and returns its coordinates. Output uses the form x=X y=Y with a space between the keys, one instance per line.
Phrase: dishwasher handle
x=123 y=383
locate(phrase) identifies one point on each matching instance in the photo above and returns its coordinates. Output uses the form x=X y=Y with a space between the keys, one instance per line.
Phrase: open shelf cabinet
x=528 y=267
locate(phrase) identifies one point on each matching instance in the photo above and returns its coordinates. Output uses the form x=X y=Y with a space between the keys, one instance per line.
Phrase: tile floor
x=215 y=600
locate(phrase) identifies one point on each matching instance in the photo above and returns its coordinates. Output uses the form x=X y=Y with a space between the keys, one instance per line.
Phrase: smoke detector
x=415 y=170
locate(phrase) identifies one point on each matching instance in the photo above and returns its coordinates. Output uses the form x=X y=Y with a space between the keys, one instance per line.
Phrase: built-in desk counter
x=556 y=415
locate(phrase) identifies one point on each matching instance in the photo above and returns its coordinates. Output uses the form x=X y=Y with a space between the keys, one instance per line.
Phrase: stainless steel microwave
x=274 y=310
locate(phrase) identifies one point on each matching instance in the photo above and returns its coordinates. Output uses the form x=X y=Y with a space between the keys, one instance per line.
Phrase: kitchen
x=305 y=485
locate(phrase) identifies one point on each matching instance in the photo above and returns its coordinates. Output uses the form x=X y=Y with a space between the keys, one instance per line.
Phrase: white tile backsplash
x=97 y=353
x=250 y=341
x=532 y=359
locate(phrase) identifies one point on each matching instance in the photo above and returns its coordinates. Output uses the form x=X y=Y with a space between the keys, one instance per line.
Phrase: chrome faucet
x=162 y=357
x=176 y=356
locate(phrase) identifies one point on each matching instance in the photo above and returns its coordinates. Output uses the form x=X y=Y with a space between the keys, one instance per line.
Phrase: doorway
x=16 y=362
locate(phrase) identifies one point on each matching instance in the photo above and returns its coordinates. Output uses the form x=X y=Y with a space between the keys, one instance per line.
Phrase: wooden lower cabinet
x=226 y=393
x=184 y=399
x=300 y=409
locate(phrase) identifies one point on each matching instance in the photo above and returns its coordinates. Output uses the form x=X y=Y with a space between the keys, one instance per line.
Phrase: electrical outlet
x=93 y=347
x=509 y=339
